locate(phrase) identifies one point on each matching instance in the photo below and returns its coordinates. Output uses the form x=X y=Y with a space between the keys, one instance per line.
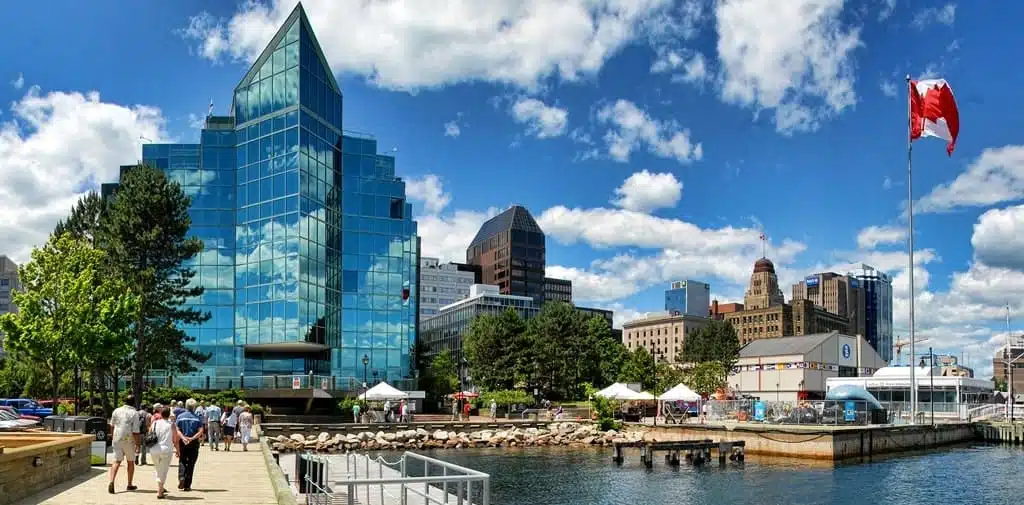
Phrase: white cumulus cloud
x=58 y=146
x=873 y=236
x=794 y=58
x=645 y=191
x=427 y=43
x=630 y=128
x=541 y=120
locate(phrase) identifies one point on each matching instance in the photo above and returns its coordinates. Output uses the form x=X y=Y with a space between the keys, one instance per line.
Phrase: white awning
x=679 y=393
x=383 y=391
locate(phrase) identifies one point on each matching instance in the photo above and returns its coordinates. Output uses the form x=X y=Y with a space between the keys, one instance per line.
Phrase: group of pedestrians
x=179 y=429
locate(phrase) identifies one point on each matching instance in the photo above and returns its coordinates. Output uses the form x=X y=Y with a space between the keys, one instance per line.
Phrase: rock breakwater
x=555 y=434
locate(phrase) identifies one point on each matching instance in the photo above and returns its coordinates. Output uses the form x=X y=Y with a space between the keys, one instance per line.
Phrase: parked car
x=27 y=407
x=9 y=421
x=19 y=414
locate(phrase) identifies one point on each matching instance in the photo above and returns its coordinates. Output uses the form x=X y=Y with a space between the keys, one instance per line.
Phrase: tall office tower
x=877 y=288
x=691 y=298
x=509 y=248
x=311 y=252
x=838 y=294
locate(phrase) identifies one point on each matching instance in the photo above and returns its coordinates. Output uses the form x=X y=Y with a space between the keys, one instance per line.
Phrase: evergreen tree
x=84 y=221
x=492 y=349
x=717 y=341
x=145 y=231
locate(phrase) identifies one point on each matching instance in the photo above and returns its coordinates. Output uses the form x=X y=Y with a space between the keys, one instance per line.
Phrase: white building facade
x=441 y=284
x=797 y=368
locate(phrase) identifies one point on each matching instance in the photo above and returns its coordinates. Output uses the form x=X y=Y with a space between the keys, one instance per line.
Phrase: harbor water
x=983 y=474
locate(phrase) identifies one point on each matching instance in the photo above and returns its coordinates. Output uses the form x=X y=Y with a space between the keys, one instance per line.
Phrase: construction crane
x=900 y=344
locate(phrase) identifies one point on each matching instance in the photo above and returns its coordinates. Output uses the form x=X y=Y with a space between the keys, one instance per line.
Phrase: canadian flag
x=933 y=112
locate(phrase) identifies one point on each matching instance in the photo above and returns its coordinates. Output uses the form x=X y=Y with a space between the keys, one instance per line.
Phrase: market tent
x=679 y=393
x=617 y=391
x=643 y=395
x=383 y=391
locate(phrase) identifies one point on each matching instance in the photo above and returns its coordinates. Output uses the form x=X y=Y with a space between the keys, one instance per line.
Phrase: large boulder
x=440 y=435
x=323 y=437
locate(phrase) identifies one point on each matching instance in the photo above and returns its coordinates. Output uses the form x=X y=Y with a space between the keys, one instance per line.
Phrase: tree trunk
x=55 y=375
x=107 y=412
x=140 y=361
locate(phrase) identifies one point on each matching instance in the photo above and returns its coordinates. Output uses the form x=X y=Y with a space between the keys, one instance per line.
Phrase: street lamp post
x=366 y=363
x=931 y=381
x=463 y=367
x=655 y=355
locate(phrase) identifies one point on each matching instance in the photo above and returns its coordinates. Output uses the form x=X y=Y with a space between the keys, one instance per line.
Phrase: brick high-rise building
x=509 y=249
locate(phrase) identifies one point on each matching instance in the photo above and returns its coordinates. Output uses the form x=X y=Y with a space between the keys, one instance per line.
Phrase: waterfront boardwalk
x=221 y=478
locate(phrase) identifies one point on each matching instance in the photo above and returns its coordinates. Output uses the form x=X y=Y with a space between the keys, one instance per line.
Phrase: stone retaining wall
x=553 y=434
x=62 y=456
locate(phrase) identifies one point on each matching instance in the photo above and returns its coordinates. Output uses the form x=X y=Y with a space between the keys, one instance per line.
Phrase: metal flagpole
x=910 y=243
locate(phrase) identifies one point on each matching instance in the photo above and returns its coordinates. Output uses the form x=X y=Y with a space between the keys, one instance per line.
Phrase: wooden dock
x=1000 y=431
x=695 y=452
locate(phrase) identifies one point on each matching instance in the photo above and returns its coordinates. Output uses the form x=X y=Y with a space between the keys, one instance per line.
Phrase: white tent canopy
x=679 y=393
x=383 y=391
x=619 y=391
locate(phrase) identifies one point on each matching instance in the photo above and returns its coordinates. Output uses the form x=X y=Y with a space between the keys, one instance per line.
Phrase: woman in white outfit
x=245 y=421
x=165 y=446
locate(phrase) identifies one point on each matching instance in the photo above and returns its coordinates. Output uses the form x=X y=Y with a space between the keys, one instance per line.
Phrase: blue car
x=28 y=407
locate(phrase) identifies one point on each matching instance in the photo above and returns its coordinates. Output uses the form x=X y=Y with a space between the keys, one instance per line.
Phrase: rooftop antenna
x=764 y=244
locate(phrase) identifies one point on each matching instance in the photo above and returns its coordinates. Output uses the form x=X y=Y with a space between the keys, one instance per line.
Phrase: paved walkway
x=233 y=478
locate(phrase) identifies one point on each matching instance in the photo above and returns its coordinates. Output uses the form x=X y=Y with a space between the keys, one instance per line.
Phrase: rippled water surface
x=987 y=475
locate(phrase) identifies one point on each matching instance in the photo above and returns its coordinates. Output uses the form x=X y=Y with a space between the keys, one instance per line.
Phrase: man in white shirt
x=126 y=440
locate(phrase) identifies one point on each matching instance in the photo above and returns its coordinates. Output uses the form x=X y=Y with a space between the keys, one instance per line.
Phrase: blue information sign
x=850 y=411
x=759 y=411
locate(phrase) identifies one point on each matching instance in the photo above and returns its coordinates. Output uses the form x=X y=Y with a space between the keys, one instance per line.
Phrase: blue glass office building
x=311 y=251
x=878 y=329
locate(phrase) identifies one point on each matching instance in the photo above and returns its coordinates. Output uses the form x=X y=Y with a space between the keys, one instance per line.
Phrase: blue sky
x=652 y=139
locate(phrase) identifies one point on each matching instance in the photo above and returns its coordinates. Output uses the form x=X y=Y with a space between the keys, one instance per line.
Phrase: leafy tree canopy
x=717 y=341
x=68 y=312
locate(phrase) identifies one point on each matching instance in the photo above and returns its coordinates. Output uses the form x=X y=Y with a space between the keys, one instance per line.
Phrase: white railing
x=410 y=479
x=995 y=411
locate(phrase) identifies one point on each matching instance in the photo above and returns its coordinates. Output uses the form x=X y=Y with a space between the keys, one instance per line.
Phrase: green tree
x=717 y=341
x=84 y=220
x=85 y=223
x=442 y=374
x=707 y=377
x=638 y=367
x=612 y=356
x=145 y=231
x=493 y=347
x=668 y=377
x=66 y=313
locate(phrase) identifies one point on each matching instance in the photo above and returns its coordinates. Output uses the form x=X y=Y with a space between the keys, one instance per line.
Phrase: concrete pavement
x=221 y=478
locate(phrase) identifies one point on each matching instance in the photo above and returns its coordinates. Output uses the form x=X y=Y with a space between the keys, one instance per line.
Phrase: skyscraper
x=877 y=288
x=311 y=251
x=688 y=297
x=509 y=248
x=838 y=294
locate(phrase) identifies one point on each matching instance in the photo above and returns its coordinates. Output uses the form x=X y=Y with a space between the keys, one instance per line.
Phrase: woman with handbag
x=161 y=442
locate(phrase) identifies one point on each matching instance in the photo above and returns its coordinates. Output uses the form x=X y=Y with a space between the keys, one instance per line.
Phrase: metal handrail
x=462 y=479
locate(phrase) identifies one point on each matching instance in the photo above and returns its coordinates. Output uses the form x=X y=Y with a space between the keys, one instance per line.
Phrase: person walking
x=466 y=409
x=355 y=412
x=178 y=410
x=145 y=419
x=230 y=425
x=403 y=411
x=494 y=409
x=124 y=426
x=190 y=432
x=213 y=433
x=245 y=426
x=160 y=452
x=455 y=410
x=387 y=411
x=201 y=414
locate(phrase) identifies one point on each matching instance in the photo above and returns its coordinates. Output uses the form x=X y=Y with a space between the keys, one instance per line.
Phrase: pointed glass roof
x=295 y=28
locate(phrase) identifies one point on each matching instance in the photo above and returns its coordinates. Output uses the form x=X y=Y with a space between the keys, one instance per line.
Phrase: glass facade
x=878 y=329
x=310 y=258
